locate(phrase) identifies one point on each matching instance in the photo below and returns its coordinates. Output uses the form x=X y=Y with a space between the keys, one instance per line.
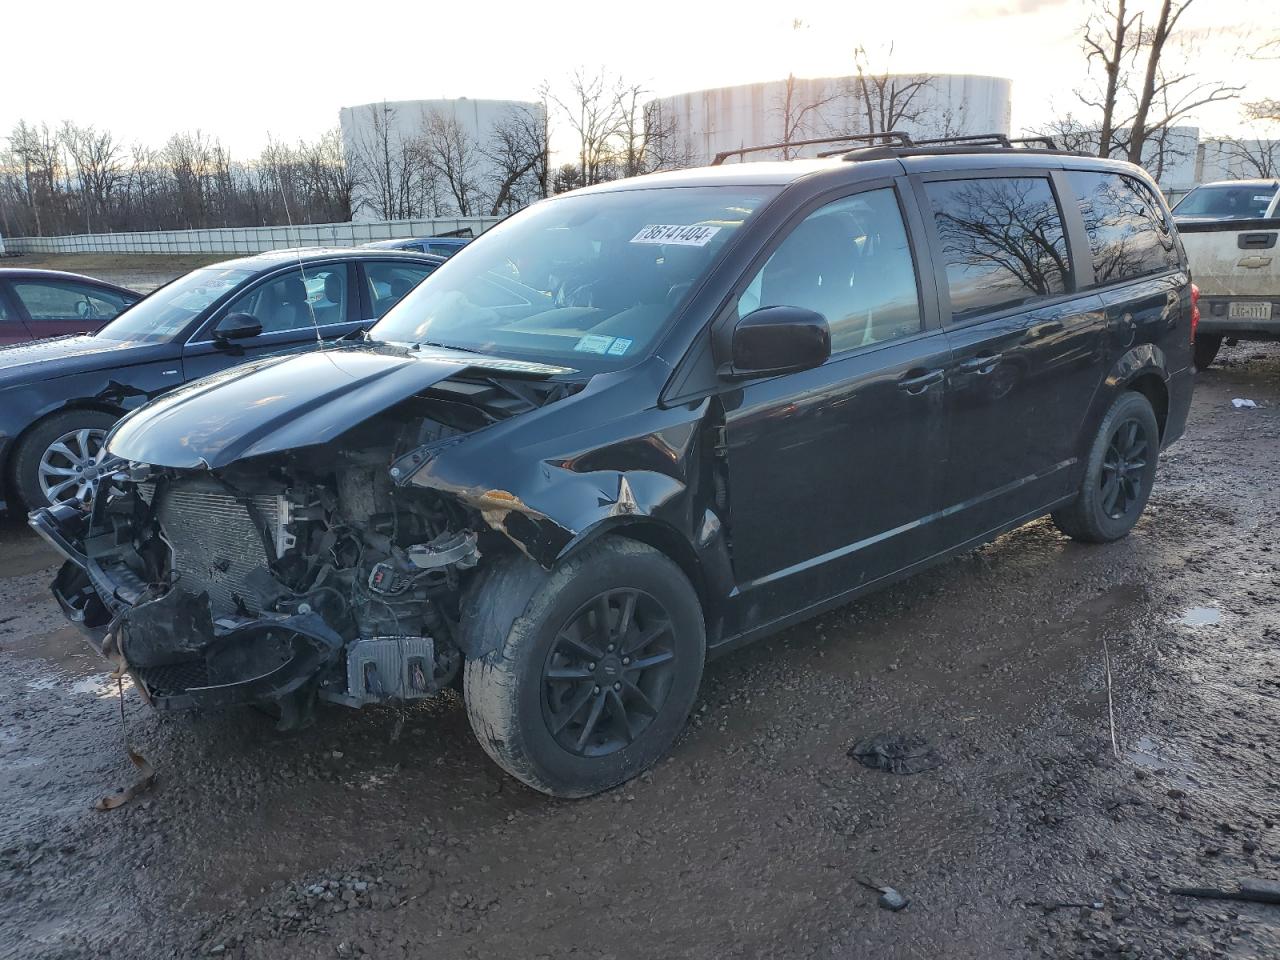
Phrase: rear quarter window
x=1128 y=237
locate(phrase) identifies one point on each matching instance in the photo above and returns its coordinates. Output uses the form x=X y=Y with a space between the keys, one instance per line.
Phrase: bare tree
x=1148 y=85
x=518 y=154
x=799 y=109
x=99 y=168
x=454 y=156
x=594 y=114
x=1106 y=39
x=888 y=101
x=666 y=147
x=1253 y=157
x=388 y=165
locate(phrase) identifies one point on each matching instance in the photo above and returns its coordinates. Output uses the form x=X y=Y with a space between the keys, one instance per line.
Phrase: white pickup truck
x=1231 y=230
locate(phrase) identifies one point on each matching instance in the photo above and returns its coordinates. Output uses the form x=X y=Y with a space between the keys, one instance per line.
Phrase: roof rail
x=902 y=140
x=979 y=142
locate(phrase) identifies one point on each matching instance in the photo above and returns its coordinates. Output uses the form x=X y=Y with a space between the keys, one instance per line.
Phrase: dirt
x=388 y=834
x=141 y=273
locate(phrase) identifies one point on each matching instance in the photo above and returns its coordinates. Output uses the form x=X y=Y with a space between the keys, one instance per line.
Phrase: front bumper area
x=166 y=639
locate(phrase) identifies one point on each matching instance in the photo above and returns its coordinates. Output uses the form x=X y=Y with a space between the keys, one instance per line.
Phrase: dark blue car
x=59 y=397
x=440 y=246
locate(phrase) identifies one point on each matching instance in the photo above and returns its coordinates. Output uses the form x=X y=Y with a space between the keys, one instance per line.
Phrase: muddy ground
x=384 y=834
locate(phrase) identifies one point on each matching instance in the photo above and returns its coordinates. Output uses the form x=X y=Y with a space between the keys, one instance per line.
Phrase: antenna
x=306 y=297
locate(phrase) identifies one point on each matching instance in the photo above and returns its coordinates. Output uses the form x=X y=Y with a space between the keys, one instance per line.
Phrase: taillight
x=1195 y=311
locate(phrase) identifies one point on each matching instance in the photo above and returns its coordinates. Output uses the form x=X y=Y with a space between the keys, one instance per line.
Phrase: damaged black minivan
x=639 y=424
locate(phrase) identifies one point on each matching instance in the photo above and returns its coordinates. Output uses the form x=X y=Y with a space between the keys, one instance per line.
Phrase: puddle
x=101 y=686
x=1200 y=617
x=1161 y=756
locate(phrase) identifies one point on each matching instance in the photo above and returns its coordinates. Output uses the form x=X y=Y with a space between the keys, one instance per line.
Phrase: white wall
x=726 y=118
x=247 y=240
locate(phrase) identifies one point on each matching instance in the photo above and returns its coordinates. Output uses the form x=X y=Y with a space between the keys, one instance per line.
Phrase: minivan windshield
x=164 y=314
x=584 y=281
x=1227 y=202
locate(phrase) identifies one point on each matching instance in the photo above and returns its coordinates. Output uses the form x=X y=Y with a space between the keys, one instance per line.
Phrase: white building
x=386 y=137
x=706 y=122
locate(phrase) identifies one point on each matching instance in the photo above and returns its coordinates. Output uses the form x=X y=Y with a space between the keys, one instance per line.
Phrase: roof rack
x=898 y=142
x=903 y=140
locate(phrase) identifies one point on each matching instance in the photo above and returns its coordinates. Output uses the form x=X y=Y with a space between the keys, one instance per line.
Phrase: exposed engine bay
x=291 y=577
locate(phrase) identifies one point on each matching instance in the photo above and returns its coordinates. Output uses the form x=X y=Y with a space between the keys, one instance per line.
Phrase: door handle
x=917 y=381
x=983 y=363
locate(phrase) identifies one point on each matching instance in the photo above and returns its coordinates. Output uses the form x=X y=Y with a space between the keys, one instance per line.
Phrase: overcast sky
x=241 y=70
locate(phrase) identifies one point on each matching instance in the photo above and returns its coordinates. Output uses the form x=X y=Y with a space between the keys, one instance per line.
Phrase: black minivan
x=638 y=424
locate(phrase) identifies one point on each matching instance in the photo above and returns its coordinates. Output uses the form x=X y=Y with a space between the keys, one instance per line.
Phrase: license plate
x=1249 y=311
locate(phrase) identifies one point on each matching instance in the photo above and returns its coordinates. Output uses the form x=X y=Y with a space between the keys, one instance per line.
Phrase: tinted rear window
x=1127 y=234
x=1002 y=241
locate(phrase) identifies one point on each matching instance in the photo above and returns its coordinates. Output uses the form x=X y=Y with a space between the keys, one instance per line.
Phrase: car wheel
x=1206 y=348
x=592 y=684
x=1118 y=474
x=50 y=462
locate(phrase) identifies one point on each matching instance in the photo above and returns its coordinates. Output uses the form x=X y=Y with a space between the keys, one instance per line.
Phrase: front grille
x=174 y=677
x=217 y=541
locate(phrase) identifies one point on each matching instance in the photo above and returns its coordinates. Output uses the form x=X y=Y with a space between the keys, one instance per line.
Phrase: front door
x=1026 y=354
x=833 y=473
x=297 y=309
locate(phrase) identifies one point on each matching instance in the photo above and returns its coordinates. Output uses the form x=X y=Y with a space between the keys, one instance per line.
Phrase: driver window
x=849 y=261
x=290 y=302
x=67 y=301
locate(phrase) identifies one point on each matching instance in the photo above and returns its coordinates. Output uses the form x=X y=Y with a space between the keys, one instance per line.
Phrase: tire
x=1206 y=348
x=31 y=450
x=1102 y=512
x=520 y=697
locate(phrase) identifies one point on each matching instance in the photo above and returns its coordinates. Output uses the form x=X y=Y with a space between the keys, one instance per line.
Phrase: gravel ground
x=390 y=835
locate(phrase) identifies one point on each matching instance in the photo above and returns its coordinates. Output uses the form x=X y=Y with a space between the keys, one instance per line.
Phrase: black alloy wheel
x=608 y=672
x=1124 y=469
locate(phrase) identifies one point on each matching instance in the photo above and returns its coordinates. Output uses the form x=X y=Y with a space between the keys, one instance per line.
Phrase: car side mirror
x=237 y=326
x=779 y=340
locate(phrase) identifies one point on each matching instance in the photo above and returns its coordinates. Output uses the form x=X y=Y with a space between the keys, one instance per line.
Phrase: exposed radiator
x=217 y=541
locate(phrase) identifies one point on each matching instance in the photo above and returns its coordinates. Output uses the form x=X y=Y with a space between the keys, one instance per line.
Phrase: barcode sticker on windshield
x=674 y=233
x=593 y=343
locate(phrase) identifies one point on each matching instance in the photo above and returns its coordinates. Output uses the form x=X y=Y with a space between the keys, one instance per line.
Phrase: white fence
x=247 y=239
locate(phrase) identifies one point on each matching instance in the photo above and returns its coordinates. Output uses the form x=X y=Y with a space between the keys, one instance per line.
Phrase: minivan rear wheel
x=592 y=684
x=1206 y=348
x=1118 y=474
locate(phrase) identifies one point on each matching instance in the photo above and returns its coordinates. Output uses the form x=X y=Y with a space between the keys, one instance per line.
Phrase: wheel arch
x=663 y=537
x=1143 y=369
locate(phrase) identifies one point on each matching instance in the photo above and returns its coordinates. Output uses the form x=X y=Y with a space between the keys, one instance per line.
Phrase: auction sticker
x=674 y=233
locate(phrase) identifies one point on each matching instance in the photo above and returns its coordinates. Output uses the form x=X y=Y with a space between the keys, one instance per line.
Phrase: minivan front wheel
x=1120 y=470
x=594 y=682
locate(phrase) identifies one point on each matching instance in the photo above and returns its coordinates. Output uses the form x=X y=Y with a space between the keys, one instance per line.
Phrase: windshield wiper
x=446 y=346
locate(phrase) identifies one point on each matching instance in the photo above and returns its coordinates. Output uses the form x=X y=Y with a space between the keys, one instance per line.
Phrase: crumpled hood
x=60 y=355
x=286 y=402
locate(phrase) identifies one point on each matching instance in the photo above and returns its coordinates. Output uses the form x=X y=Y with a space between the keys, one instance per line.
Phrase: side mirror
x=779 y=340
x=237 y=326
